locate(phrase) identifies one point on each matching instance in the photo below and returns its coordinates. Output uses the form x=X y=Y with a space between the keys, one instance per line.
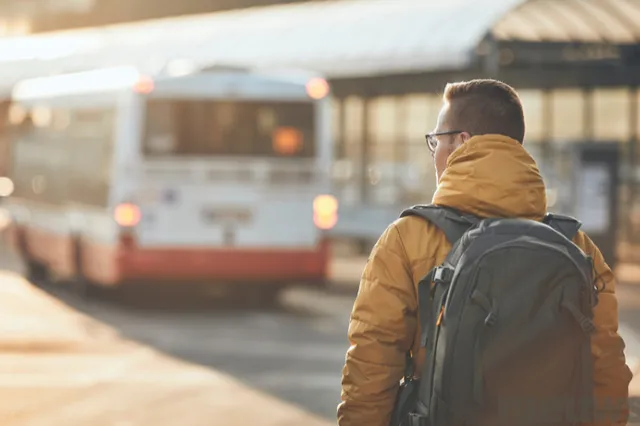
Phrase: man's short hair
x=485 y=106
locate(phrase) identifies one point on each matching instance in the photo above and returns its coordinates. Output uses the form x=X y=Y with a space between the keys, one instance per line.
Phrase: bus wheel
x=265 y=297
x=36 y=272
x=364 y=247
x=82 y=286
x=89 y=290
x=256 y=297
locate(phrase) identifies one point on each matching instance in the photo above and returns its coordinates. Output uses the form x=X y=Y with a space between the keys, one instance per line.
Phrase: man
x=482 y=169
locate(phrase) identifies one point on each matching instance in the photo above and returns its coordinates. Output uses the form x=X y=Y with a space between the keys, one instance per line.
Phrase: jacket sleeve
x=611 y=374
x=381 y=330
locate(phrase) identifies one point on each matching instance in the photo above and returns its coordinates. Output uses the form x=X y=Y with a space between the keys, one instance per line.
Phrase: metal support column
x=341 y=143
x=547 y=126
x=587 y=113
x=365 y=187
x=400 y=139
x=632 y=158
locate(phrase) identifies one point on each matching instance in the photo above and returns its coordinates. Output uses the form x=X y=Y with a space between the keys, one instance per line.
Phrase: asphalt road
x=294 y=351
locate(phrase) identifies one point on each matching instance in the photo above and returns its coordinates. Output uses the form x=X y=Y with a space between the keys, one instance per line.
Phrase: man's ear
x=459 y=140
x=453 y=146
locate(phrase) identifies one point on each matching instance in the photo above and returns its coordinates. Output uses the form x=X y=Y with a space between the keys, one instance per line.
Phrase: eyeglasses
x=432 y=138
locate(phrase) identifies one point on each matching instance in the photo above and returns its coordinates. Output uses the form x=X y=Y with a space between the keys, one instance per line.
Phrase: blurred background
x=254 y=150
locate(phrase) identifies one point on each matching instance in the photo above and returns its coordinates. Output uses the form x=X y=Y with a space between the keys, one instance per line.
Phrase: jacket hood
x=493 y=176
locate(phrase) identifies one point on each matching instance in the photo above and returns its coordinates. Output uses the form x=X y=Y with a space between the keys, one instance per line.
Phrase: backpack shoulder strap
x=453 y=223
x=566 y=225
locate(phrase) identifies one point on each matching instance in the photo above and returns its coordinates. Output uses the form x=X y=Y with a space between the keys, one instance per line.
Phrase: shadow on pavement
x=169 y=298
x=276 y=348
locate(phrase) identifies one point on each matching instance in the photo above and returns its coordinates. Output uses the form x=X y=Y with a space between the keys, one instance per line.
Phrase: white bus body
x=217 y=175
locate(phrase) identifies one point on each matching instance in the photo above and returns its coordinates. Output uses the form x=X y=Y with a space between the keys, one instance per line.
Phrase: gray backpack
x=506 y=322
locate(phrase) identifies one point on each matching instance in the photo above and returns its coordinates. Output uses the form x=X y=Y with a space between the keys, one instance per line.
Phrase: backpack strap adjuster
x=415 y=419
x=585 y=322
x=443 y=275
x=491 y=319
x=566 y=225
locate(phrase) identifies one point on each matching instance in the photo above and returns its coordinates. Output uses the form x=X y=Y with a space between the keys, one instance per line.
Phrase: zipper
x=439 y=321
x=434 y=350
x=474 y=277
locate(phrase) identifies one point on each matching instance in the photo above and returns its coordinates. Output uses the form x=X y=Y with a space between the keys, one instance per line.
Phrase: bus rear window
x=229 y=128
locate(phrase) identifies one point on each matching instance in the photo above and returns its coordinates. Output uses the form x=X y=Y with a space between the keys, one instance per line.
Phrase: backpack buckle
x=415 y=419
x=491 y=319
x=587 y=325
x=443 y=275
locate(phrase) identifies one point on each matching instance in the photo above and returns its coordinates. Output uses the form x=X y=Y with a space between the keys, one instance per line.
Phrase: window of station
x=611 y=114
x=532 y=103
x=635 y=130
x=636 y=126
x=353 y=130
x=383 y=137
x=567 y=115
x=336 y=137
x=4 y=141
x=421 y=117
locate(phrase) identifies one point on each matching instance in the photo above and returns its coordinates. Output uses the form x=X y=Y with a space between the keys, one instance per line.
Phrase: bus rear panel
x=203 y=186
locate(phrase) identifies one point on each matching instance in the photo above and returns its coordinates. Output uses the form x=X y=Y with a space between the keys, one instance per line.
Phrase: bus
x=213 y=176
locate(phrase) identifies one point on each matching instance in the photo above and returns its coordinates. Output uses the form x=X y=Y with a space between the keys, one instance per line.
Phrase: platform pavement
x=60 y=368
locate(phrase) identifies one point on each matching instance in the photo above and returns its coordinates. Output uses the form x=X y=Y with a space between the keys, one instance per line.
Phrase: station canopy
x=337 y=38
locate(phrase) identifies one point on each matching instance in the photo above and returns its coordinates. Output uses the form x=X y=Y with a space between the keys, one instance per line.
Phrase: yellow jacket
x=488 y=176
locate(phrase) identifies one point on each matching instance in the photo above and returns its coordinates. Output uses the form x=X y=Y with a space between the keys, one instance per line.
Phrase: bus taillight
x=317 y=88
x=127 y=215
x=144 y=85
x=325 y=211
x=287 y=140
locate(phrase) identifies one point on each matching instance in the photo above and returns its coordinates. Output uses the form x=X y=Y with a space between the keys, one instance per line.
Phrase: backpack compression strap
x=566 y=225
x=452 y=223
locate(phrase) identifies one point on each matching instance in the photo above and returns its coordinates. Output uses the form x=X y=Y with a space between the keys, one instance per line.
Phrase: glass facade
x=399 y=169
